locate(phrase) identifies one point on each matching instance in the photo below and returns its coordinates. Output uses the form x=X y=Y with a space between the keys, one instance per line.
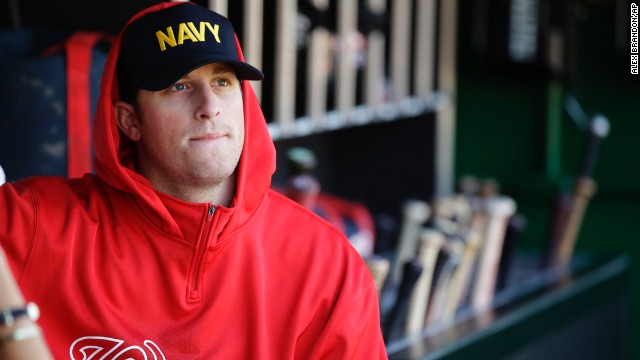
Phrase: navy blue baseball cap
x=163 y=46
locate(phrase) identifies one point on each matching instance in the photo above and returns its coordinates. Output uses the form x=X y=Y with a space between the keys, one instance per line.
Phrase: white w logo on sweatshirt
x=105 y=348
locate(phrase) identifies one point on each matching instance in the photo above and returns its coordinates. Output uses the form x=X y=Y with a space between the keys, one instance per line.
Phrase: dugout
x=466 y=107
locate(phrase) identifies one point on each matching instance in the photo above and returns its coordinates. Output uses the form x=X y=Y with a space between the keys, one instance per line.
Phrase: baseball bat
x=468 y=185
x=379 y=267
x=410 y=274
x=429 y=246
x=461 y=280
x=488 y=187
x=584 y=189
x=346 y=69
x=219 y=6
x=318 y=69
x=515 y=228
x=561 y=203
x=441 y=292
x=386 y=226
x=400 y=59
x=498 y=210
x=424 y=45
x=253 y=45
x=478 y=192
x=285 y=62
x=415 y=213
x=374 y=75
x=451 y=214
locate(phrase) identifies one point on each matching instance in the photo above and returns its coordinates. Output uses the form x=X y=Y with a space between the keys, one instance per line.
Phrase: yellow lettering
x=214 y=30
x=196 y=33
x=184 y=32
x=164 y=39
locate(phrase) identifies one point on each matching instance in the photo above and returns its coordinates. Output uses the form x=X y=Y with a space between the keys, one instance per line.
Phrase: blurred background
x=523 y=114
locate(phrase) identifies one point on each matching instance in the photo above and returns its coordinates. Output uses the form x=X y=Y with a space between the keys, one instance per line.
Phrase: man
x=176 y=248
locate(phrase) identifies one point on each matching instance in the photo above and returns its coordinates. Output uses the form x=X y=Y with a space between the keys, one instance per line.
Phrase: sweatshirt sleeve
x=17 y=225
x=358 y=335
x=351 y=329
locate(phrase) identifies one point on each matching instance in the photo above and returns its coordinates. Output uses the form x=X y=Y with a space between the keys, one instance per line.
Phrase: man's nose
x=209 y=104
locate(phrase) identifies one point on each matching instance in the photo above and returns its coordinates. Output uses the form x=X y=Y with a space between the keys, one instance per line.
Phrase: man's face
x=192 y=133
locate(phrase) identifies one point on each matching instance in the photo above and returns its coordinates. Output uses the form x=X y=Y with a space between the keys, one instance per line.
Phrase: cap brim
x=168 y=77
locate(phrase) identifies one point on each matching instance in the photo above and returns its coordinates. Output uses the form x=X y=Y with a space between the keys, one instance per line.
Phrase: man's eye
x=223 y=82
x=178 y=87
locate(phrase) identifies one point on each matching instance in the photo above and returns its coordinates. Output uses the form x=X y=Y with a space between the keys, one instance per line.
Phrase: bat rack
x=554 y=314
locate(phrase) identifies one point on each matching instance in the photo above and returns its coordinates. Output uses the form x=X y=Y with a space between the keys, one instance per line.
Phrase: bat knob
x=417 y=210
x=501 y=206
x=600 y=126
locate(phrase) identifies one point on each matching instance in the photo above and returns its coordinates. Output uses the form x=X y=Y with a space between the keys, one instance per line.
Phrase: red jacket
x=122 y=270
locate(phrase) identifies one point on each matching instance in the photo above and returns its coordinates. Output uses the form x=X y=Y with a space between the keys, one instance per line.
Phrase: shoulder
x=305 y=235
x=284 y=213
x=53 y=190
x=287 y=212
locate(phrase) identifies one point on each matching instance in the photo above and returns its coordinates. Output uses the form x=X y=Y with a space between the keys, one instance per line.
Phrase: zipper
x=194 y=294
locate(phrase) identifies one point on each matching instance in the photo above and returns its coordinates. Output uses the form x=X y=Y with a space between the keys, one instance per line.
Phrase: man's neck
x=218 y=194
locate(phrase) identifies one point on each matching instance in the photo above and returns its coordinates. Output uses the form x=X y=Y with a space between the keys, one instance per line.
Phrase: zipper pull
x=212 y=210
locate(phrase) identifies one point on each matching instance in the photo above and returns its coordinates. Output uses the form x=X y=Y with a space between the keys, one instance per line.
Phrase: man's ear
x=127 y=119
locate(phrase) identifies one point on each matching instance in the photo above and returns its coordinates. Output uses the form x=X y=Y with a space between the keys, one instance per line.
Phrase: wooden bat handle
x=415 y=213
x=499 y=209
x=560 y=208
x=437 y=315
x=515 y=228
x=411 y=271
x=462 y=277
x=379 y=268
x=585 y=188
x=430 y=243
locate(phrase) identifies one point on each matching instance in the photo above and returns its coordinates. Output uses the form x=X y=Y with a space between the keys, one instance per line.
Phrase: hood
x=114 y=152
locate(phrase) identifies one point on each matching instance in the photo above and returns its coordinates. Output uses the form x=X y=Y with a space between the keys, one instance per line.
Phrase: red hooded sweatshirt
x=123 y=271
